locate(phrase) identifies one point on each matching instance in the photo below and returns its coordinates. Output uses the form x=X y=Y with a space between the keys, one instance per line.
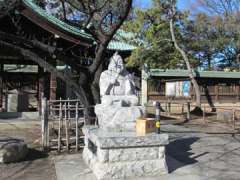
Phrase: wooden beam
x=15 y=60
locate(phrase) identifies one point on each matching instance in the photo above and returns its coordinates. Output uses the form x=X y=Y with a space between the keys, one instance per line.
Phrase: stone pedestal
x=121 y=155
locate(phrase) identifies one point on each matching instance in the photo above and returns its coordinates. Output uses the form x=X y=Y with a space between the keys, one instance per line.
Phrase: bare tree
x=219 y=7
x=173 y=16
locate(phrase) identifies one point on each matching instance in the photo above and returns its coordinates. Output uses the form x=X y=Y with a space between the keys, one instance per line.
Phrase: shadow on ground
x=180 y=150
x=34 y=154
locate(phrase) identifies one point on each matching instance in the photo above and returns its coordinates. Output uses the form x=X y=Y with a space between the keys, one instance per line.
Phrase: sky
x=182 y=4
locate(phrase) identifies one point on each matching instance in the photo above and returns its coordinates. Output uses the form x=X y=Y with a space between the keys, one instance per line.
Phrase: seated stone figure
x=119 y=104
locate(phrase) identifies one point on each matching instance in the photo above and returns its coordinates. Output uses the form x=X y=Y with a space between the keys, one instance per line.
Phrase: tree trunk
x=95 y=85
x=96 y=70
x=190 y=71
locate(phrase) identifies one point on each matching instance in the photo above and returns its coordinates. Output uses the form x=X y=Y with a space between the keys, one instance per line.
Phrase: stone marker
x=12 y=150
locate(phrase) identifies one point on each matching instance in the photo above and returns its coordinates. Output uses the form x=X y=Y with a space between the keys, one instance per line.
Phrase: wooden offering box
x=144 y=126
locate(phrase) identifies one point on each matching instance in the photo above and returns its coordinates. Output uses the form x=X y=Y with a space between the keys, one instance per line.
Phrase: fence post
x=66 y=125
x=182 y=108
x=169 y=108
x=77 y=133
x=188 y=111
x=204 y=114
x=69 y=113
x=44 y=117
x=59 y=125
x=233 y=118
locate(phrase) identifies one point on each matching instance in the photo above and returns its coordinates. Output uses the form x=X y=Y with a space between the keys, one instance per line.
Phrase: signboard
x=170 y=89
x=186 y=88
x=178 y=89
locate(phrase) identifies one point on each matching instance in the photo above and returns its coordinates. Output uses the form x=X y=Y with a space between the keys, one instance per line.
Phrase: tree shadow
x=179 y=153
x=209 y=99
x=162 y=117
x=34 y=154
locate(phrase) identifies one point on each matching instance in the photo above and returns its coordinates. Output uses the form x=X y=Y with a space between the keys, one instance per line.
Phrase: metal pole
x=157 y=117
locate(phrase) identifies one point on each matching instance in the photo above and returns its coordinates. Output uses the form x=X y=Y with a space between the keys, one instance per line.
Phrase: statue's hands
x=114 y=80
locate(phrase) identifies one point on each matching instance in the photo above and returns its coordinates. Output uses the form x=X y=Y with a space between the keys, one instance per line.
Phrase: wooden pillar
x=53 y=86
x=238 y=90
x=144 y=88
x=43 y=86
x=216 y=93
x=40 y=87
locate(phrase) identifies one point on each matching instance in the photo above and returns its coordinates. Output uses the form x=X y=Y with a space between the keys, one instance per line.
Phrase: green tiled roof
x=117 y=45
x=113 y=45
x=202 y=74
x=56 y=21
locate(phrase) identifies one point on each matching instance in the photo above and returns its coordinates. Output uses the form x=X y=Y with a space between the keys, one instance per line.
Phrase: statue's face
x=116 y=64
x=119 y=66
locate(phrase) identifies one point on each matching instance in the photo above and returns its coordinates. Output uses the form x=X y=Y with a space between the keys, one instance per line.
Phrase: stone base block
x=119 y=155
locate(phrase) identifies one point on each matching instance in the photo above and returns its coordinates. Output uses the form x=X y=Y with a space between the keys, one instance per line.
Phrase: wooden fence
x=62 y=122
x=184 y=111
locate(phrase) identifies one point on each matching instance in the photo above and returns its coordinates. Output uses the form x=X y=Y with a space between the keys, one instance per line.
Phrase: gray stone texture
x=119 y=106
x=118 y=118
x=12 y=150
x=107 y=139
x=123 y=155
x=190 y=156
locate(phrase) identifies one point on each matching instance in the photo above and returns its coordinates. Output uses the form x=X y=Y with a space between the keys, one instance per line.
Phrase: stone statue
x=119 y=104
x=117 y=85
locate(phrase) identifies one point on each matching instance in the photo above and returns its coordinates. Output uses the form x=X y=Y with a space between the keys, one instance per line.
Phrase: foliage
x=155 y=46
x=215 y=35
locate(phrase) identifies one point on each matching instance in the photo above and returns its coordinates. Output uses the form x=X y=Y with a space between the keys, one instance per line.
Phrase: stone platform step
x=72 y=167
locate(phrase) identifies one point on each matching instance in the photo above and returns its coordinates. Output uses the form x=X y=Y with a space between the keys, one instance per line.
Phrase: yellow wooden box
x=144 y=126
